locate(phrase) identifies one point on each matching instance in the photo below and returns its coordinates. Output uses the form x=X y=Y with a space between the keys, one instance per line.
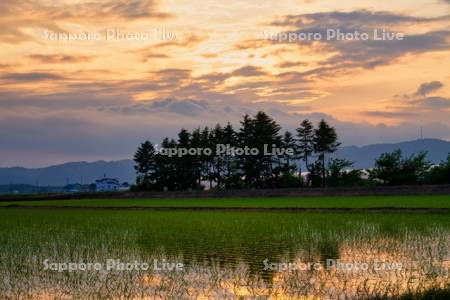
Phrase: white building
x=107 y=185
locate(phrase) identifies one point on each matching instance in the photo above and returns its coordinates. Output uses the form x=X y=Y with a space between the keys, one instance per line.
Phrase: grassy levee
x=431 y=201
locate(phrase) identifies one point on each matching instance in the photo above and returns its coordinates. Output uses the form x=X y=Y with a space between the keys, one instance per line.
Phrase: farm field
x=224 y=254
x=270 y=202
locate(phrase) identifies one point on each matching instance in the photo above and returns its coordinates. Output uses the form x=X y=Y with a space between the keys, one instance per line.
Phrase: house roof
x=108 y=180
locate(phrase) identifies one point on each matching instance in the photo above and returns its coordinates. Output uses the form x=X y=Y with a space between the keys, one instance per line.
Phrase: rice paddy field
x=70 y=253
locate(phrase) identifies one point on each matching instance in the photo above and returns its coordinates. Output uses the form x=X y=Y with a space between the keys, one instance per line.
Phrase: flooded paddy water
x=101 y=254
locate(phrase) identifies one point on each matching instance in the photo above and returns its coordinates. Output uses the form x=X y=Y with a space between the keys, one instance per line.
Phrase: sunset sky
x=203 y=62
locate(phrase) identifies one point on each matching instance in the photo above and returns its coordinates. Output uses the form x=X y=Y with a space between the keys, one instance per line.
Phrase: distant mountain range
x=364 y=156
x=88 y=172
x=69 y=173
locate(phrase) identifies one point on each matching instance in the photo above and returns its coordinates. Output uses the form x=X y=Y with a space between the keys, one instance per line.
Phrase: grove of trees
x=312 y=146
x=312 y=153
x=394 y=169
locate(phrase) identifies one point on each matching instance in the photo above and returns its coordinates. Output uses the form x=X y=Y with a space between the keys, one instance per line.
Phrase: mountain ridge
x=68 y=173
x=364 y=156
x=88 y=172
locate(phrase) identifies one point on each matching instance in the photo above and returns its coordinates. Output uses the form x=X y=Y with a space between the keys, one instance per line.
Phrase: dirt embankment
x=290 y=192
x=246 y=209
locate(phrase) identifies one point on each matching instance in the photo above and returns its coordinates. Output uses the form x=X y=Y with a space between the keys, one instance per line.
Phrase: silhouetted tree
x=305 y=135
x=218 y=165
x=339 y=173
x=231 y=167
x=206 y=160
x=246 y=138
x=166 y=168
x=196 y=160
x=265 y=131
x=288 y=142
x=392 y=168
x=325 y=141
x=144 y=159
x=185 y=170
x=439 y=174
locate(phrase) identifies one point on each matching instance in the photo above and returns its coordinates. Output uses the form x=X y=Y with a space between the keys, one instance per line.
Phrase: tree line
x=395 y=169
x=311 y=153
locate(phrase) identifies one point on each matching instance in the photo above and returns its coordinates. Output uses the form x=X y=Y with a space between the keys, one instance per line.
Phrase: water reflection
x=396 y=259
x=224 y=255
x=377 y=268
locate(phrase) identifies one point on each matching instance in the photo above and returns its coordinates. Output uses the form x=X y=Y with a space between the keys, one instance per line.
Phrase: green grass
x=199 y=235
x=226 y=237
x=269 y=202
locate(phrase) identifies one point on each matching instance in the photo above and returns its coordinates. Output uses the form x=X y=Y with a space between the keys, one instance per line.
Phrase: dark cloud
x=245 y=71
x=58 y=58
x=128 y=9
x=290 y=64
x=79 y=99
x=32 y=76
x=390 y=114
x=186 y=107
x=428 y=87
x=163 y=81
x=420 y=99
x=294 y=77
x=371 y=53
x=44 y=14
x=360 y=53
x=172 y=74
x=149 y=53
x=183 y=107
x=88 y=10
x=215 y=77
x=248 y=71
x=434 y=102
x=362 y=18
x=155 y=55
x=250 y=44
x=417 y=105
